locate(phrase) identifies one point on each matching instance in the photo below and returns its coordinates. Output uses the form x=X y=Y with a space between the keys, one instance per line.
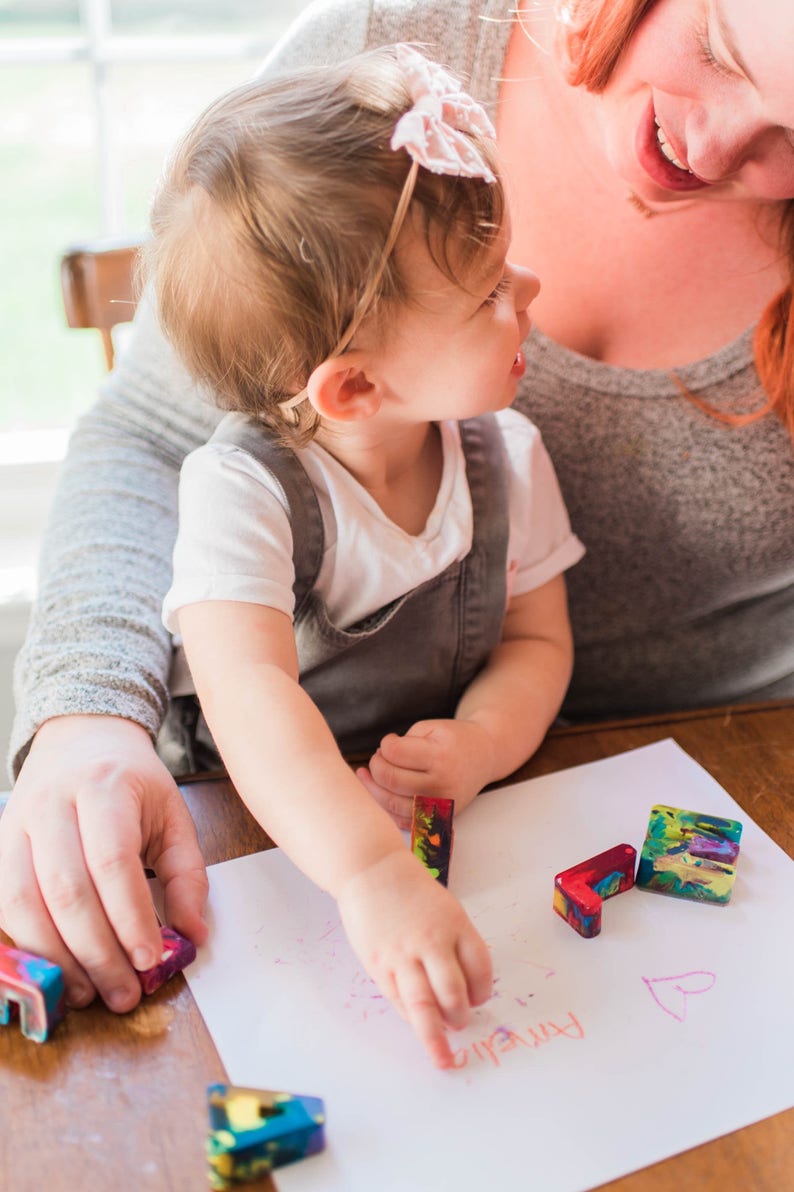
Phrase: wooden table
x=116 y=1103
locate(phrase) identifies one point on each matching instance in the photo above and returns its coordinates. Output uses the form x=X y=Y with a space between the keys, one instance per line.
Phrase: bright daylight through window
x=92 y=94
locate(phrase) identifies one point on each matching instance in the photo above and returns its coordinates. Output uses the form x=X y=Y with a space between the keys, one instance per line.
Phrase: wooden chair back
x=98 y=286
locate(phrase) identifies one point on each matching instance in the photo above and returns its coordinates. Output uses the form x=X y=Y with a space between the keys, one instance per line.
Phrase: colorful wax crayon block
x=178 y=953
x=252 y=1131
x=689 y=855
x=432 y=834
x=36 y=986
x=580 y=890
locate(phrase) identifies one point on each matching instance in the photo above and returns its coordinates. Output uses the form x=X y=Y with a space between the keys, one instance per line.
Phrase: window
x=92 y=95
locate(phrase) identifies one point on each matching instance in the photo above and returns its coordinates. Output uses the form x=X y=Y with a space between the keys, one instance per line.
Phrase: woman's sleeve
x=96 y=642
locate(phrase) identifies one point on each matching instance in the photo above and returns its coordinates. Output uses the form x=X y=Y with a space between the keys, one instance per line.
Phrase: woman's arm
x=410 y=933
x=92 y=799
x=96 y=642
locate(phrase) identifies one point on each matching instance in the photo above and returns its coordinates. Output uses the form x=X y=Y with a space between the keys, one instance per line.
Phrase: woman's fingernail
x=120 y=1000
x=78 y=996
x=143 y=959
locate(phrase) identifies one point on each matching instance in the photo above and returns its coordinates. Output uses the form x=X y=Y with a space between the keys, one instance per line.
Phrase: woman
x=649 y=153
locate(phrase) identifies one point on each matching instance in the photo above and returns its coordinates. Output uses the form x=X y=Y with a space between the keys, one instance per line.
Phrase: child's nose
x=526 y=288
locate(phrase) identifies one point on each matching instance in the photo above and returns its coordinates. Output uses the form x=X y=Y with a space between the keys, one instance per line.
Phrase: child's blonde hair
x=273 y=220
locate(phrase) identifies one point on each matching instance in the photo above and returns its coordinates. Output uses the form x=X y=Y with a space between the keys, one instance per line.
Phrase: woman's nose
x=719 y=142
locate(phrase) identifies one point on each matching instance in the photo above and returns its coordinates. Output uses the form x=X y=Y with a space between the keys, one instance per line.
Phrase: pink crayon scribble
x=670 y=993
x=546 y=969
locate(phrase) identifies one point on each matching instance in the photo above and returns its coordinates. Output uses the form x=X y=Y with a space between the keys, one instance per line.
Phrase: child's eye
x=496 y=293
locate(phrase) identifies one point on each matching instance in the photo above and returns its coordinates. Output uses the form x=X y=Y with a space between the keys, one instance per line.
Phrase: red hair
x=594 y=34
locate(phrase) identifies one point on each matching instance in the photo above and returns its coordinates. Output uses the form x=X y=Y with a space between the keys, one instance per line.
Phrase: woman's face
x=702 y=102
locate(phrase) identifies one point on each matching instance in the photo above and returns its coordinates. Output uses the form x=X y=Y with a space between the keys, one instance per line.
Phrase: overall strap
x=303 y=509
x=485 y=569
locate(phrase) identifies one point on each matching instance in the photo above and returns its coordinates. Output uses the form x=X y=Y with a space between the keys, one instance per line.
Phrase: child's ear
x=340 y=389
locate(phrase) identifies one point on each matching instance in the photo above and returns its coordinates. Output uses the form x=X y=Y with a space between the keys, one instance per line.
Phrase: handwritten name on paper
x=507 y=1039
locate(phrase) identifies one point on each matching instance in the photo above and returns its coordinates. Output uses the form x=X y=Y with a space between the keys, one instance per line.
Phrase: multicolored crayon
x=580 y=891
x=432 y=834
x=35 y=985
x=689 y=854
x=254 y=1130
x=178 y=953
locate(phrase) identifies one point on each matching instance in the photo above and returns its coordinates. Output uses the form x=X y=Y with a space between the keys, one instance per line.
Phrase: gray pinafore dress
x=411 y=660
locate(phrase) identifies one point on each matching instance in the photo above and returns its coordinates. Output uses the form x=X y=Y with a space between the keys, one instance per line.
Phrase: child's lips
x=519 y=365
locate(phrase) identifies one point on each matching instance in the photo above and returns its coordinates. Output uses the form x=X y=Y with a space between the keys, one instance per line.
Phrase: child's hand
x=451 y=759
x=416 y=941
x=93 y=800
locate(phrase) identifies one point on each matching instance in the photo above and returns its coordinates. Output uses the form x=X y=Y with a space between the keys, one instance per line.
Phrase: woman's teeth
x=667 y=149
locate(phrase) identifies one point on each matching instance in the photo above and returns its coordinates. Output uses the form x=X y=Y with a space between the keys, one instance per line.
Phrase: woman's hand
x=92 y=802
x=450 y=759
x=419 y=946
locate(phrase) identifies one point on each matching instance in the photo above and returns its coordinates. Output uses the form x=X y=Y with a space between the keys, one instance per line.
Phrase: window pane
x=151 y=105
x=49 y=163
x=190 y=18
x=48 y=167
x=39 y=18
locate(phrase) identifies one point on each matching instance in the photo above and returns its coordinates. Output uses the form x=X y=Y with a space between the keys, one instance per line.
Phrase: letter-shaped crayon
x=689 y=854
x=254 y=1130
x=580 y=890
x=432 y=834
x=178 y=953
x=36 y=986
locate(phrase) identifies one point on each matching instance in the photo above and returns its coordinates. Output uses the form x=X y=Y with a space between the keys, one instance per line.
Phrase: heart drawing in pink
x=670 y=993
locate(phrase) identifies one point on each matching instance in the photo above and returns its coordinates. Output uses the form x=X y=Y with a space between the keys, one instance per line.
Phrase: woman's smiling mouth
x=658 y=158
x=667 y=148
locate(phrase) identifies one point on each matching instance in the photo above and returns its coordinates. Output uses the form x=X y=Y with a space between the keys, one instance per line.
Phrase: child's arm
x=413 y=937
x=500 y=721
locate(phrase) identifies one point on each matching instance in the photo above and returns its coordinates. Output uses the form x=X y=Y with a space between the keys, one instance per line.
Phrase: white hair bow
x=432 y=131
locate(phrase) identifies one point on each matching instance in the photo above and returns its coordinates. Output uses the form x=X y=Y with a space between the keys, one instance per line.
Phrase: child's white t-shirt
x=235 y=542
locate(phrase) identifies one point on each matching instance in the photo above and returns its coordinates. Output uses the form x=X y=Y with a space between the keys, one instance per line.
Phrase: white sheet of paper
x=594 y=1057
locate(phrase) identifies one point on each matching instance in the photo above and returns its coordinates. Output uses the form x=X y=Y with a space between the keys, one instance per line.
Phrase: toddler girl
x=371 y=547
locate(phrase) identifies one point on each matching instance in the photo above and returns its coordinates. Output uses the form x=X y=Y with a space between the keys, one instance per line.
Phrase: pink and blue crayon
x=689 y=854
x=254 y=1130
x=177 y=954
x=580 y=891
x=36 y=986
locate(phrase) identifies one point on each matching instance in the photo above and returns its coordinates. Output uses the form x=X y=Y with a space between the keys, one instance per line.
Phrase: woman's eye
x=497 y=292
x=707 y=54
